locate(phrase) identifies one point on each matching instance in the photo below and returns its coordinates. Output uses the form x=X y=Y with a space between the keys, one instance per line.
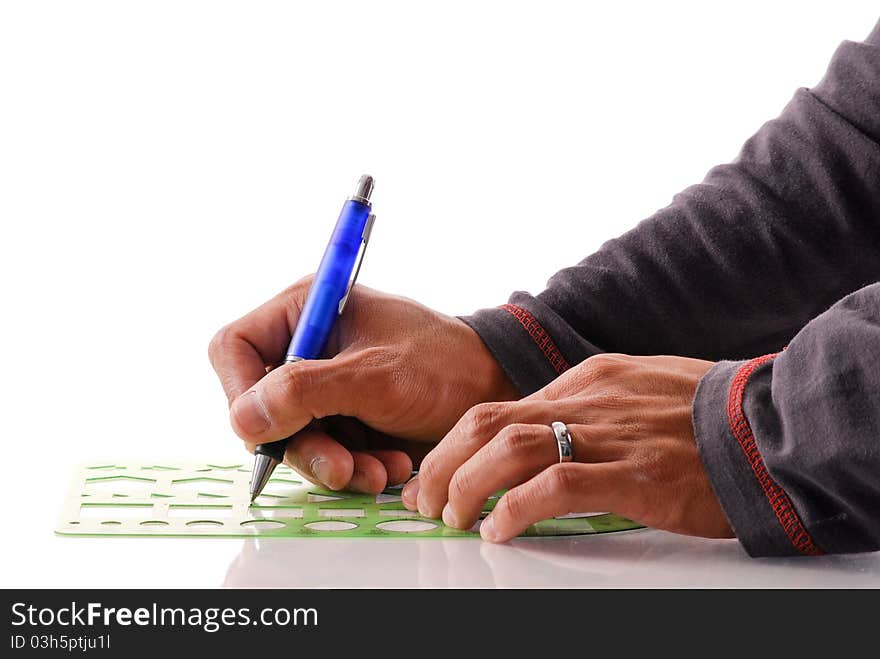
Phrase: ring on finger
x=563 y=441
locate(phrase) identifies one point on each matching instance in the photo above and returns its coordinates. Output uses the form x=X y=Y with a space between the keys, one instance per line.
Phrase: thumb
x=290 y=396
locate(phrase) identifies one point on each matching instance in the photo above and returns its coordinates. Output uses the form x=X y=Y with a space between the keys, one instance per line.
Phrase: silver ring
x=563 y=440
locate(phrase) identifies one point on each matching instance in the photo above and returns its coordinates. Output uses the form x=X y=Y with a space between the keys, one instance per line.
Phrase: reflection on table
x=644 y=558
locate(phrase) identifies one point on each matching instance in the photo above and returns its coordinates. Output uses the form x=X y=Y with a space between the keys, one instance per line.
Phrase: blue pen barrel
x=331 y=281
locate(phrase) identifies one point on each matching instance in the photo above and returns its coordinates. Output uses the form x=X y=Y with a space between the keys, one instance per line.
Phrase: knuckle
x=297 y=381
x=611 y=398
x=560 y=480
x=219 y=341
x=517 y=438
x=383 y=367
x=593 y=370
x=482 y=419
x=460 y=486
x=427 y=472
x=514 y=505
x=376 y=357
x=602 y=364
x=651 y=468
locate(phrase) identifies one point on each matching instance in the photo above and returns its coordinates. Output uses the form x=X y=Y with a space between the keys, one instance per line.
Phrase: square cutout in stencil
x=110 y=512
x=122 y=484
x=202 y=483
x=188 y=511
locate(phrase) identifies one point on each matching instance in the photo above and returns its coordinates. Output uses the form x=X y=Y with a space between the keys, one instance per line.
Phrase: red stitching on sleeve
x=779 y=501
x=539 y=336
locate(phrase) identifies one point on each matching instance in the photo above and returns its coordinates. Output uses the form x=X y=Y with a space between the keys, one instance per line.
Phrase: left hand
x=634 y=453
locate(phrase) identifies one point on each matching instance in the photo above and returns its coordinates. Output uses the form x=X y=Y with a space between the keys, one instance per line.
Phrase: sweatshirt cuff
x=758 y=509
x=531 y=342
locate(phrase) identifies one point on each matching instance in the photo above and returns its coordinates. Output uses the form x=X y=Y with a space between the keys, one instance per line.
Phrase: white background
x=167 y=166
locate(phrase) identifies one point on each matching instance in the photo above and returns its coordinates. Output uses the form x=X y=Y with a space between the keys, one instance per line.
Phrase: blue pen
x=324 y=304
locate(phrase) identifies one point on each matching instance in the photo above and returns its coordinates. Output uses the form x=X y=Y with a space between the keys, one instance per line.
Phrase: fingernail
x=421 y=505
x=449 y=517
x=320 y=470
x=250 y=413
x=487 y=530
x=409 y=493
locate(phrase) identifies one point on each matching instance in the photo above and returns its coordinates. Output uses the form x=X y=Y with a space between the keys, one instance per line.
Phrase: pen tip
x=263 y=467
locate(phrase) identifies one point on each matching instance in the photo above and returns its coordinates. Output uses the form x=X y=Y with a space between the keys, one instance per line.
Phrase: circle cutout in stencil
x=406 y=525
x=110 y=522
x=204 y=523
x=331 y=525
x=154 y=522
x=261 y=524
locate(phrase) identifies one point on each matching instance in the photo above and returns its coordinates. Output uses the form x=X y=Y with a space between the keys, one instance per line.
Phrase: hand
x=401 y=375
x=633 y=443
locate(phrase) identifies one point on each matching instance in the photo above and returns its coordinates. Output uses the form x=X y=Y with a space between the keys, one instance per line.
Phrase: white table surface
x=645 y=558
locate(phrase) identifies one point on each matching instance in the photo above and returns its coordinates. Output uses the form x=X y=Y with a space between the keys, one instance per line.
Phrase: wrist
x=488 y=379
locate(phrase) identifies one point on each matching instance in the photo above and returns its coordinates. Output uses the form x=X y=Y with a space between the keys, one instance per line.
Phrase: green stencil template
x=212 y=500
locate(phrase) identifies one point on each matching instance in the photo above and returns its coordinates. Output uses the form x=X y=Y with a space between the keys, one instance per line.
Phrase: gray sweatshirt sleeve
x=742 y=265
x=734 y=266
x=791 y=442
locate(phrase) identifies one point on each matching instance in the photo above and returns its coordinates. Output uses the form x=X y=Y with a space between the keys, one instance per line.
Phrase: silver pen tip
x=263 y=468
x=364 y=189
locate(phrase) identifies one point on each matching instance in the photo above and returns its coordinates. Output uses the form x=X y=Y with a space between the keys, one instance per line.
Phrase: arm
x=736 y=265
x=791 y=443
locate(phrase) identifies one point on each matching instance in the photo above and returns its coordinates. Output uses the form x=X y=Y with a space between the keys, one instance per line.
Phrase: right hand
x=400 y=377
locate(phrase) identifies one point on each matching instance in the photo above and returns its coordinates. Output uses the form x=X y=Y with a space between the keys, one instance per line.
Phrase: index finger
x=242 y=351
x=474 y=430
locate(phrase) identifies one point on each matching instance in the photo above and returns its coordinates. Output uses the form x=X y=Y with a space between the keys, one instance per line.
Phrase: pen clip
x=365 y=238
